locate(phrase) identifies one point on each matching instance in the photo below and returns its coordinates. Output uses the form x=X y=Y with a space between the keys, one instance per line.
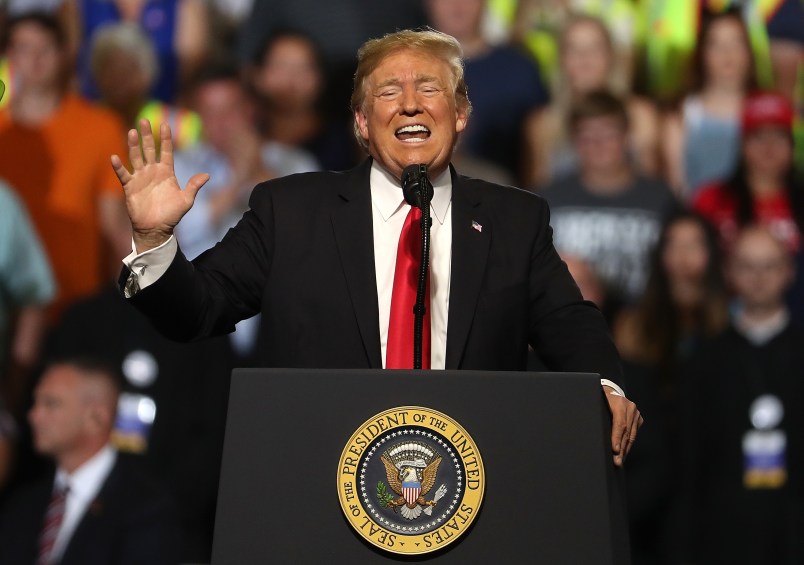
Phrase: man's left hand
x=625 y=422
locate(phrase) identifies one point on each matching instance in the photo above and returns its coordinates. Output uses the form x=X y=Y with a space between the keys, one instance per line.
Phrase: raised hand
x=154 y=199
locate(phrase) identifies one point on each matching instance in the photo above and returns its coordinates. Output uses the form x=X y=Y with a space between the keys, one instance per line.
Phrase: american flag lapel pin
x=477 y=227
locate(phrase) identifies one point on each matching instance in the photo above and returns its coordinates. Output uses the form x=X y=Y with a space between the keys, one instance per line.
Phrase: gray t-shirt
x=614 y=233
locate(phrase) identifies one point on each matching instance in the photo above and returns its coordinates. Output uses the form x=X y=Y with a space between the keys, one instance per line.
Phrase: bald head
x=74 y=410
x=760 y=269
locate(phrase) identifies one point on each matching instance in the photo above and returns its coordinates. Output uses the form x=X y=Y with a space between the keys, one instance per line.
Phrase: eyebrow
x=395 y=81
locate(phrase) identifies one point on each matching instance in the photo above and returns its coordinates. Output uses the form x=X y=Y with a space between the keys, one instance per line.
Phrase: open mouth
x=413 y=134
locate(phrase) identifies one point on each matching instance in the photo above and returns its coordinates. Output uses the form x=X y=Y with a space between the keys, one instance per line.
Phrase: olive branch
x=382 y=494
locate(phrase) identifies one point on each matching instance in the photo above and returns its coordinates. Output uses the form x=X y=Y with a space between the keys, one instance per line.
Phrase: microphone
x=416 y=186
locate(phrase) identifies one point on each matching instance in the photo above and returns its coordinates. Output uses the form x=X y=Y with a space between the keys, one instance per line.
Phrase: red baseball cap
x=766 y=109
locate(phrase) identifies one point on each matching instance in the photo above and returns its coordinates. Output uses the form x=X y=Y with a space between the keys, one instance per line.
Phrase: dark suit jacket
x=130 y=522
x=304 y=256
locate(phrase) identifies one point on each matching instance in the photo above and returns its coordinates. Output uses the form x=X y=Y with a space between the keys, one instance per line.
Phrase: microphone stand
x=418 y=192
x=421 y=290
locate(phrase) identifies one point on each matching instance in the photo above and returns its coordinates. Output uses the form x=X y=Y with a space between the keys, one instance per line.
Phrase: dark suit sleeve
x=222 y=286
x=568 y=333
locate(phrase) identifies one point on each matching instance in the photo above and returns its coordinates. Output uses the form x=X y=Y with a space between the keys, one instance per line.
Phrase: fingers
x=148 y=143
x=166 y=145
x=625 y=423
x=194 y=185
x=134 y=153
x=122 y=173
x=621 y=443
x=633 y=428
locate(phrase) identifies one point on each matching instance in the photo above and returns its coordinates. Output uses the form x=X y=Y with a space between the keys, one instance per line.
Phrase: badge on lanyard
x=135 y=417
x=764 y=447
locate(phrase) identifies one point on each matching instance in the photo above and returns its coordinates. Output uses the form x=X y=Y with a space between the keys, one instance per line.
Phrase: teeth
x=413 y=129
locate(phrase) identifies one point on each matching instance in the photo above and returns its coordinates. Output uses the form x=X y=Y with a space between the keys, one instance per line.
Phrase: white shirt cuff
x=147 y=267
x=611 y=384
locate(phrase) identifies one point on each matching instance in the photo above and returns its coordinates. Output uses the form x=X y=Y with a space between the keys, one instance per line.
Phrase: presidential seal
x=410 y=480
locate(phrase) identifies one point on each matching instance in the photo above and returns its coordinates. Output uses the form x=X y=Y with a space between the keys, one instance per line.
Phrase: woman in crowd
x=684 y=303
x=289 y=82
x=701 y=139
x=586 y=65
x=763 y=187
x=685 y=300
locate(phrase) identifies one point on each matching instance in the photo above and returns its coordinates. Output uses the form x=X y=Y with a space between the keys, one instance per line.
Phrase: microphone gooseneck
x=418 y=191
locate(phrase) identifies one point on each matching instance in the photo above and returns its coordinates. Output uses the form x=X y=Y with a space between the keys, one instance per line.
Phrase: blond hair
x=131 y=39
x=430 y=41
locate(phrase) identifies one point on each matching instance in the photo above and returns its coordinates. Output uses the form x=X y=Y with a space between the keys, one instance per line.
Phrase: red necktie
x=399 y=351
x=52 y=523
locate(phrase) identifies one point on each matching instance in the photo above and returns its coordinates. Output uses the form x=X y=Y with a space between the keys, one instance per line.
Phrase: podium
x=552 y=493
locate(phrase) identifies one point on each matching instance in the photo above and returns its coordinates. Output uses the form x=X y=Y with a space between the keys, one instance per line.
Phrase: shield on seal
x=411 y=492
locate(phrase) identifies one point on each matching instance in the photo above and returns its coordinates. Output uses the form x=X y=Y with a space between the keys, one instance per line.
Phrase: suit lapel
x=471 y=238
x=354 y=236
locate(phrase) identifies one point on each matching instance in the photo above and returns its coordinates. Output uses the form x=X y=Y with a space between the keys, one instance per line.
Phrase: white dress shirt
x=389 y=211
x=84 y=484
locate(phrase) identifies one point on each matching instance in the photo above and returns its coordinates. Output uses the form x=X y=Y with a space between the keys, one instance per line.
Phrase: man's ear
x=362 y=123
x=462 y=118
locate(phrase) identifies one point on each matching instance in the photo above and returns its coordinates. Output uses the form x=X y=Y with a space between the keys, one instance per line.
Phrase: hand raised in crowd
x=154 y=199
x=625 y=423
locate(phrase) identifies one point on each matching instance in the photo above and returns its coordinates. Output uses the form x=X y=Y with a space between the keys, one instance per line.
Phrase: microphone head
x=416 y=186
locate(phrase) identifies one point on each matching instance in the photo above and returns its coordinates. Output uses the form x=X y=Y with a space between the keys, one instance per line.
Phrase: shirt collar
x=761 y=333
x=386 y=193
x=84 y=481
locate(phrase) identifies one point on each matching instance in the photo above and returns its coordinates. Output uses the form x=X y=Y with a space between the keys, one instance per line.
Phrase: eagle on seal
x=411 y=484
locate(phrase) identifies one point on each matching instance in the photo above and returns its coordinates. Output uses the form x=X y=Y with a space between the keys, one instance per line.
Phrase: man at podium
x=327 y=257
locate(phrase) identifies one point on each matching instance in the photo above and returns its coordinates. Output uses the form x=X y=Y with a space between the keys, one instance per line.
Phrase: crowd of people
x=667 y=138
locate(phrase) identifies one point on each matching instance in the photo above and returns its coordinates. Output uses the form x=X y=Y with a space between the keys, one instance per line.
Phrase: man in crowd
x=98 y=508
x=605 y=213
x=317 y=253
x=744 y=438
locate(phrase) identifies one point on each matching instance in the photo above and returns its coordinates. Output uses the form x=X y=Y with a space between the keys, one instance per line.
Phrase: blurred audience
x=179 y=30
x=54 y=151
x=743 y=444
x=586 y=65
x=701 y=138
x=98 y=507
x=290 y=84
x=125 y=66
x=504 y=82
x=764 y=187
x=607 y=213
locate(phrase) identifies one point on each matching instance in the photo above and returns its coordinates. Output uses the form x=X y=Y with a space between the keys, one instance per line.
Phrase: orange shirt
x=60 y=169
